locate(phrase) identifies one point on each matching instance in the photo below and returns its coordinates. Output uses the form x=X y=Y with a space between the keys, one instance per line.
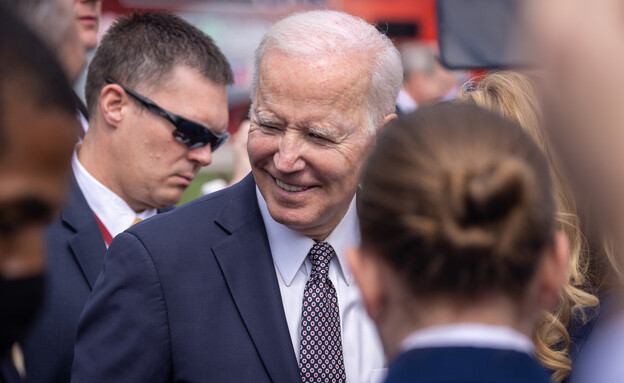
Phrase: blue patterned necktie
x=320 y=348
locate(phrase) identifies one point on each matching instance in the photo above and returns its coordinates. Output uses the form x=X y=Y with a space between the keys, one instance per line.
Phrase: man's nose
x=288 y=158
x=201 y=155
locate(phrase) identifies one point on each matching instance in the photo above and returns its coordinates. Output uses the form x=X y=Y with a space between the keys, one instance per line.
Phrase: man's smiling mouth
x=290 y=188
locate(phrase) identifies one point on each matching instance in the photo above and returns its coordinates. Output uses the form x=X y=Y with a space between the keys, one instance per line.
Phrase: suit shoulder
x=197 y=215
x=205 y=207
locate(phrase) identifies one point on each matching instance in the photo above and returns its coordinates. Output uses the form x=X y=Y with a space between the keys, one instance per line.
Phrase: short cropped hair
x=331 y=33
x=27 y=64
x=141 y=49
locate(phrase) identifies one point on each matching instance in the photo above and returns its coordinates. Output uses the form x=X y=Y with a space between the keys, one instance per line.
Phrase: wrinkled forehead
x=332 y=86
x=343 y=73
x=35 y=162
x=35 y=136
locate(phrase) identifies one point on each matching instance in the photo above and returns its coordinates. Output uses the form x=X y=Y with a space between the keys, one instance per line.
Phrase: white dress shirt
x=405 y=102
x=362 y=350
x=469 y=335
x=114 y=213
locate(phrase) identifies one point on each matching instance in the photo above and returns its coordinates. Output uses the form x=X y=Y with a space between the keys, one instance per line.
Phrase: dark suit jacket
x=580 y=332
x=465 y=364
x=189 y=296
x=75 y=253
x=8 y=373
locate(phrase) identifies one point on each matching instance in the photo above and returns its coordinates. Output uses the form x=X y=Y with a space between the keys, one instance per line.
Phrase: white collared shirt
x=362 y=350
x=114 y=213
x=469 y=335
x=405 y=102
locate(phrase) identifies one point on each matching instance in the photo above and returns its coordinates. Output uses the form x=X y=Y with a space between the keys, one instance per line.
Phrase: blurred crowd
x=388 y=219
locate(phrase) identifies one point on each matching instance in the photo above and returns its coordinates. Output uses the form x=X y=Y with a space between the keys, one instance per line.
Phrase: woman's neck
x=491 y=310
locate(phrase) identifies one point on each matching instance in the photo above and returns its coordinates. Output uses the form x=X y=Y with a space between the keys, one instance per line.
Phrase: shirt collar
x=405 y=102
x=290 y=248
x=114 y=213
x=469 y=335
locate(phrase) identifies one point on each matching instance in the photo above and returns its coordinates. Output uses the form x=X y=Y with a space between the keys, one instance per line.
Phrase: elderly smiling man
x=250 y=284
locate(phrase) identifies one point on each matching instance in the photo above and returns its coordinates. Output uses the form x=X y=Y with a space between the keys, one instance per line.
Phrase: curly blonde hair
x=513 y=95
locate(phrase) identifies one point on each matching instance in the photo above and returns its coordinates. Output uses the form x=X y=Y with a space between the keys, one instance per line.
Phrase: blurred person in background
x=37 y=123
x=88 y=14
x=459 y=252
x=220 y=290
x=582 y=87
x=242 y=167
x=583 y=90
x=158 y=107
x=425 y=81
x=557 y=339
x=53 y=21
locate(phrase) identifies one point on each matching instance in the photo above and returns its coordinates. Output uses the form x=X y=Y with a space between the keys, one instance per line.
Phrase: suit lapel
x=86 y=243
x=247 y=265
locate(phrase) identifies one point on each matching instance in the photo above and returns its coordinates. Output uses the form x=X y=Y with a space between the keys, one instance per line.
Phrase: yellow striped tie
x=137 y=220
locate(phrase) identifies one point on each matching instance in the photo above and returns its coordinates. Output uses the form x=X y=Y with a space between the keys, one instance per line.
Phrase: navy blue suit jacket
x=75 y=254
x=8 y=373
x=189 y=296
x=465 y=364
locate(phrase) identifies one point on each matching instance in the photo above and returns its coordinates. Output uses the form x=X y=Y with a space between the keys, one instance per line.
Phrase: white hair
x=331 y=33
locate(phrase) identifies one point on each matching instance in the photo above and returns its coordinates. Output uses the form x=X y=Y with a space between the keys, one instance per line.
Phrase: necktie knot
x=320 y=256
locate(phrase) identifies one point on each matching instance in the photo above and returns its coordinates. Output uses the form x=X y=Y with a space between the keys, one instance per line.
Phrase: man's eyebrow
x=264 y=119
x=333 y=133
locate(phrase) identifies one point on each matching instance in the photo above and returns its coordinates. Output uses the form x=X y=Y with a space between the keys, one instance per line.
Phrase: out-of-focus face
x=427 y=88
x=308 y=140
x=88 y=13
x=152 y=169
x=581 y=52
x=34 y=169
x=72 y=56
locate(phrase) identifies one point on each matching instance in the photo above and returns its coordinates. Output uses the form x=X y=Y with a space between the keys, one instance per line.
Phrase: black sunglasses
x=189 y=133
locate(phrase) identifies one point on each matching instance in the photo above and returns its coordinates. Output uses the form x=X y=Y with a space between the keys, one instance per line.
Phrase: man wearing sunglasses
x=158 y=110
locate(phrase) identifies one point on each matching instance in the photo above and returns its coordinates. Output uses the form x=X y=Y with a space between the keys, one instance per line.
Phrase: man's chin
x=167 y=201
x=292 y=218
x=296 y=220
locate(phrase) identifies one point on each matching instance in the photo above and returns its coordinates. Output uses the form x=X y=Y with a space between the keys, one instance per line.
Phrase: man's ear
x=366 y=269
x=112 y=102
x=386 y=121
x=554 y=270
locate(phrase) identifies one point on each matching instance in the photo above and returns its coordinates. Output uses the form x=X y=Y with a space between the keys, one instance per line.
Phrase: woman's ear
x=554 y=270
x=367 y=270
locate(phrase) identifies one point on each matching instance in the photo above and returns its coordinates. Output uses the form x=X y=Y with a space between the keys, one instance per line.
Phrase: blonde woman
x=512 y=94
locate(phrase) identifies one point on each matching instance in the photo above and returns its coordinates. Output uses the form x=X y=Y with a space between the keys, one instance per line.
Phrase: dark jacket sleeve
x=123 y=333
